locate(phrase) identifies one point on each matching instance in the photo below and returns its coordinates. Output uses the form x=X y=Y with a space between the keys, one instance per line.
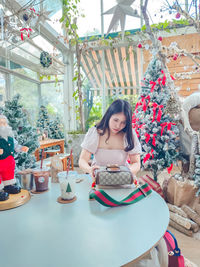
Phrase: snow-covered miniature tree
x=43 y=120
x=156 y=130
x=24 y=133
x=56 y=129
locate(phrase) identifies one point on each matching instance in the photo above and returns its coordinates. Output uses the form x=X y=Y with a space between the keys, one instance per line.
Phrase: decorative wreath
x=45 y=59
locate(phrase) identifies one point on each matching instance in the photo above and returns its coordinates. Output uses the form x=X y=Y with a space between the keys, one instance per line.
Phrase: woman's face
x=117 y=122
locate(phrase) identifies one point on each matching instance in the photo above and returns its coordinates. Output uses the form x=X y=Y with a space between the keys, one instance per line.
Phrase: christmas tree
x=56 y=129
x=157 y=132
x=68 y=190
x=24 y=133
x=43 y=120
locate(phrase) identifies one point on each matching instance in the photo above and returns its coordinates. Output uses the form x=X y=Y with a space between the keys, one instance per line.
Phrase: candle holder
x=67 y=186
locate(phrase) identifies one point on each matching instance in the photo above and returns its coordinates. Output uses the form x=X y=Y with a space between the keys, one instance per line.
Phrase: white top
x=102 y=156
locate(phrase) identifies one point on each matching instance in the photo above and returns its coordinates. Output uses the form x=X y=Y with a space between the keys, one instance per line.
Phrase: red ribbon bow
x=164 y=78
x=147 y=137
x=170 y=168
x=172 y=77
x=148 y=156
x=153 y=85
x=28 y=30
x=145 y=105
x=154 y=139
x=168 y=124
x=155 y=106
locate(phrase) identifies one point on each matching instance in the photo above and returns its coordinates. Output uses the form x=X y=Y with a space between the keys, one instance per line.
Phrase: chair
x=65 y=160
x=51 y=152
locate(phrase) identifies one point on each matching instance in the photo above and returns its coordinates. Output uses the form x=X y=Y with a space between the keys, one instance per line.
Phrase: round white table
x=45 y=233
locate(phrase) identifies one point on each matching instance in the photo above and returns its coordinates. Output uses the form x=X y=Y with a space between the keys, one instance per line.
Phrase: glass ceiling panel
x=35 y=3
x=56 y=13
x=44 y=44
x=33 y=50
x=26 y=55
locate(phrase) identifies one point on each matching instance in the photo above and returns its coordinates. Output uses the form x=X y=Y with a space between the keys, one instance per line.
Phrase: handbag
x=113 y=175
x=175 y=258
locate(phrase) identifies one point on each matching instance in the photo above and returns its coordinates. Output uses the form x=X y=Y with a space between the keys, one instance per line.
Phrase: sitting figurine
x=189 y=134
x=7 y=163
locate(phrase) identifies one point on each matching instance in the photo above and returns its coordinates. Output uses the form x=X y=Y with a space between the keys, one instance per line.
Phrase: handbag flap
x=114 y=176
x=113 y=168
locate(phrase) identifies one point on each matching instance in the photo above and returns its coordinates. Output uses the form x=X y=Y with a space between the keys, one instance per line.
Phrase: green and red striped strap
x=103 y=198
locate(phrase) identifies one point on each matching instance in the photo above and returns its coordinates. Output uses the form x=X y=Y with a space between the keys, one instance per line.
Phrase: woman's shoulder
x=90 y=141
x=92 y=131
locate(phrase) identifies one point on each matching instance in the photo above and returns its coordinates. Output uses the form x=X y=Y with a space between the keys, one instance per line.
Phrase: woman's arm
x=83 y=162
x=84 y=159
x=134 y=163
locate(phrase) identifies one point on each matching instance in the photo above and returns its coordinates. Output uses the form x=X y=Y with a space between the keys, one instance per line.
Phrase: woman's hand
x=92 y=170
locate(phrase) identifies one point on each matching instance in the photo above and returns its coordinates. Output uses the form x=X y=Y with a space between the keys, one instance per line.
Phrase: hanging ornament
x=160 y=38
x=139 y=45
x=146 y=46
x=25 y=17
x=45 y=59
x=173 y=107
x=175 y=57
x=26 y=31
x=178 y=15
x=120 y=11
x=117 y=92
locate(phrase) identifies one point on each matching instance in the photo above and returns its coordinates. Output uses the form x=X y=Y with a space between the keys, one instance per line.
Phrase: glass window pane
x=22 y=70
x=2 y=61
x=2 y=89
x=52 y=98
x=29 y=96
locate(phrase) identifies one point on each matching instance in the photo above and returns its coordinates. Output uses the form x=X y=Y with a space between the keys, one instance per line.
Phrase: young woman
x=112 y=141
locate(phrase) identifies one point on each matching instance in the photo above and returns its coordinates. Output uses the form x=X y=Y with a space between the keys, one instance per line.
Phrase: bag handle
x=176 y=251
x=103 y=198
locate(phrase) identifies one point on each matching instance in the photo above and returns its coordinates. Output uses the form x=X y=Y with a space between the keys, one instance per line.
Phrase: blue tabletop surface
x=45 y=233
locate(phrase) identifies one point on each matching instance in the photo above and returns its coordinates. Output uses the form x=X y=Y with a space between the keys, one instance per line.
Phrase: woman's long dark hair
x=118 y=106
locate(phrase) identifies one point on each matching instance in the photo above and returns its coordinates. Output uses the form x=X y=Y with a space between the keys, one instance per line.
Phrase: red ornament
x=93 y=185
x=178 y=15
x=175 y=57
x=140 y=46
x=160 y=38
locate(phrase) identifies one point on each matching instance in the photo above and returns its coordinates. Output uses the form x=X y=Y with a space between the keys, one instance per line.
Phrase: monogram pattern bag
x=113 y=175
